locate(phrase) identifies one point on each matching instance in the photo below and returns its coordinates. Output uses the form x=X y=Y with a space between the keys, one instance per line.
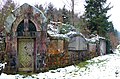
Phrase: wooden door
x=25 y=54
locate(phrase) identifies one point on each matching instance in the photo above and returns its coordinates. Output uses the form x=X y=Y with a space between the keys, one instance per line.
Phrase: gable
x=21 y=12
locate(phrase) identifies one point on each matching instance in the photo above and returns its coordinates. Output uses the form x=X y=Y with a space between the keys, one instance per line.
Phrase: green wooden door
x=25 y=54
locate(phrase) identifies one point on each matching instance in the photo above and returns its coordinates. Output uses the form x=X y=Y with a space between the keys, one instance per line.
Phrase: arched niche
x=21 y=28
x=20 y=21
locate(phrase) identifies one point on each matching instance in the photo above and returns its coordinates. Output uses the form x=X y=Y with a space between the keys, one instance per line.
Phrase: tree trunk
x=72 y=12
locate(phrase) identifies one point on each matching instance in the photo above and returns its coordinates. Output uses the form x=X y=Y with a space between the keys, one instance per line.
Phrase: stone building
x=26 y=38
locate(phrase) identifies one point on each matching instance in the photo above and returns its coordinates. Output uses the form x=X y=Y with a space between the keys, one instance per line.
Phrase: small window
x=31 y=28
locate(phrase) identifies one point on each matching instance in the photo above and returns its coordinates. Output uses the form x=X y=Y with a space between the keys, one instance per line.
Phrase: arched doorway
x=26 y=28
x=26 y=46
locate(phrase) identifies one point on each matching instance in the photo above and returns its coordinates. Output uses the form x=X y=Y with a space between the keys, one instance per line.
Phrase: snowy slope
x=102 y=67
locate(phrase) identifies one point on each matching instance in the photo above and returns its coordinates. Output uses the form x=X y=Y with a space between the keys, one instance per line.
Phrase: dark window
x=31 y=28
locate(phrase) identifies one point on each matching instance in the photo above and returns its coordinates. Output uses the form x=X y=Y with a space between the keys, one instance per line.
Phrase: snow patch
x=102 y=67
x=2 y=65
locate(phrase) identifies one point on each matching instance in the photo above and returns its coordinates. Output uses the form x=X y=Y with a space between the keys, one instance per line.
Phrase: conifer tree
x=96 y=16
x=65 y=15
x=50 y=12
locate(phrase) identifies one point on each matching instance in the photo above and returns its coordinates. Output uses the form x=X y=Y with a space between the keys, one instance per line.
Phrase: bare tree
x=72 y=11
x=71 y=6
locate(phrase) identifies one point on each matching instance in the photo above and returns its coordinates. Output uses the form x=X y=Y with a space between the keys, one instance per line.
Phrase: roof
x=21 y=11
x=54 y=28
x=96 y=38
x=53 y=31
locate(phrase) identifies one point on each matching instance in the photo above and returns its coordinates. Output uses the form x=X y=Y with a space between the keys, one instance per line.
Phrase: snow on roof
x=74 y=33
x=95 y=38
x=52 y=22
x=53 y=29
x=71 y=33
x=58 y=36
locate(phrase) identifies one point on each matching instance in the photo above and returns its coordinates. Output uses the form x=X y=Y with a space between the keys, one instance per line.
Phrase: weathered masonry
x=32 y=45
x=26 y=34
x=77 y=47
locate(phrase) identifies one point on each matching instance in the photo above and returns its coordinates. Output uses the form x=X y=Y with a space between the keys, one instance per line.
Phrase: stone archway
x=26 y=46
x=22 y=25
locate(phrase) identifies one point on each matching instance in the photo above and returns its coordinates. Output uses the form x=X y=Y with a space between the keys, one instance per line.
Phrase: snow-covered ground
x=102 y=67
